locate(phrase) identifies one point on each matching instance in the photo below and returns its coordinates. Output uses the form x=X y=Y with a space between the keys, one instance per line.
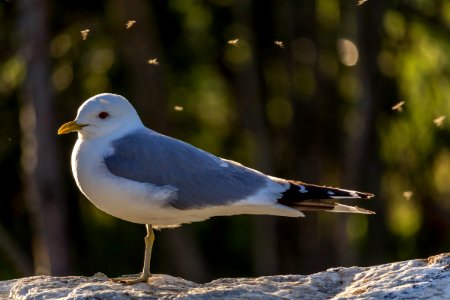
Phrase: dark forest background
x=297 y=89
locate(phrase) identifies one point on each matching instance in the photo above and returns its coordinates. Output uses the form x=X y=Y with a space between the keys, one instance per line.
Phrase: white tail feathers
x=341 y=208
x=330 y=207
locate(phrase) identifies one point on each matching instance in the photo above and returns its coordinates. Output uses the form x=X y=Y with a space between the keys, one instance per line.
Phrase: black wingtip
x=304 y=197
x=299 y=191
x=363 y=195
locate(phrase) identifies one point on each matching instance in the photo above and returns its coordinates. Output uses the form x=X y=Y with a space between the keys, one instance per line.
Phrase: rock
x=420 y=278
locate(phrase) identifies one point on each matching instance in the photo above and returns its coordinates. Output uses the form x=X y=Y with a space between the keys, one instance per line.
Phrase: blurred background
x=340 y=93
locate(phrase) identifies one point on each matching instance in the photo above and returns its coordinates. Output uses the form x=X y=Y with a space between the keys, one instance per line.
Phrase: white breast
x=122 y=198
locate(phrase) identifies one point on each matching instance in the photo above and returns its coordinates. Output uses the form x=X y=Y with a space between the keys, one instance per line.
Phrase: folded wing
x=201 y=179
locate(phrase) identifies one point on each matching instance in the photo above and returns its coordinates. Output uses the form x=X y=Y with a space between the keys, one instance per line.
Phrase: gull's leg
x=149 y=239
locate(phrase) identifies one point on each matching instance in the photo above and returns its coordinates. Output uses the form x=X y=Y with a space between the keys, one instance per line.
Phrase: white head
x=102 y=115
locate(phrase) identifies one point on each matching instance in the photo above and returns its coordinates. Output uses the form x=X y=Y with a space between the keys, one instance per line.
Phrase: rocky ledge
x=420 y=278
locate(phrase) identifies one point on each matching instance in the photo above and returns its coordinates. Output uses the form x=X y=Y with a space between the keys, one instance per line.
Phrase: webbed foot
x=132 y=279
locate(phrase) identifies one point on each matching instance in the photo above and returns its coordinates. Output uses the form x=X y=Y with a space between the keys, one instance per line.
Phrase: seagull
x=139 y=175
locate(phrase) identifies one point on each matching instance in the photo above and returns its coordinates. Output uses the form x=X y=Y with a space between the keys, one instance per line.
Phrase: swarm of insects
x=279 y=44
x=84 y=33
x=233 y=42
x=408 y=195
x=439 y=121
x=399 y=106
x=153 y=61
x=130 y=24
x=361 y=2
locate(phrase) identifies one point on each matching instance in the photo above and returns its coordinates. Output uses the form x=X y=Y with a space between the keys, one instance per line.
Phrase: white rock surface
x=420 y=278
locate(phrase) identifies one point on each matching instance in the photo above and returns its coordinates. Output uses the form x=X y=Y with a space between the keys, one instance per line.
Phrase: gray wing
x=202 y=179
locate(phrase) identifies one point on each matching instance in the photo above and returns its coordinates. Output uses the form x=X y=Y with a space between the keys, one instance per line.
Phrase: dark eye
x=103 y=115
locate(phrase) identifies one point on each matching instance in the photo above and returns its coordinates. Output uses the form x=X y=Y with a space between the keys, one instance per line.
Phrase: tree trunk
x=361 y=164
x=247 y=90
x=39 y=159
x=14 y=254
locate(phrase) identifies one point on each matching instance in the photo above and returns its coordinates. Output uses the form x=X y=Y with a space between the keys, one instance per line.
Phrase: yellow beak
x=70 y=127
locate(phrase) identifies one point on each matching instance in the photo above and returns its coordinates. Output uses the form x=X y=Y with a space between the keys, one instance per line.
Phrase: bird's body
x=138 y=175
x=99 y=172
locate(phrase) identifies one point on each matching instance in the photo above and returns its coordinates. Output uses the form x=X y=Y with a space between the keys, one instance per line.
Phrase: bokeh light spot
x=348 y=52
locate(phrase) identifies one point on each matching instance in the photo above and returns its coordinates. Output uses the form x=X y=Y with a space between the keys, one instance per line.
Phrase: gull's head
x=103 y=115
